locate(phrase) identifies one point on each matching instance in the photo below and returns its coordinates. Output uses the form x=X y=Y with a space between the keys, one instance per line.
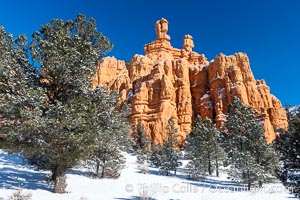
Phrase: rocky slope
x=169 y=82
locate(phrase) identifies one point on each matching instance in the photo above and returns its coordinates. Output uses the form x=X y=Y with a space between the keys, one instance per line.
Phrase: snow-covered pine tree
x=142 y=142
x=107 y=159
x=154 y=155
x=288 y=145
x=203 y=148
x=169 y=151
x=251 y=159
x=52 y=114
x=19 y=88
x=141 y=146
x=112 y=136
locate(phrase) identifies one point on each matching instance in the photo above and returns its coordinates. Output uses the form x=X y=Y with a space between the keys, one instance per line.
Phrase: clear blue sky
x=267 y=30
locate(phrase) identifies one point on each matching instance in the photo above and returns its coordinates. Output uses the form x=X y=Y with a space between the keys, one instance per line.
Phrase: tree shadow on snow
x=15 y=173
x=82 y=173
x=221 y=182
x=218 y=185
x=136 y=198
x=153 y=172
x=158 y=173
x=12 y=159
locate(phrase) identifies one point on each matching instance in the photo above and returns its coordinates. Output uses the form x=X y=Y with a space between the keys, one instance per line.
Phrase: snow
x=205 y=96
x=294 y=109
x=16 y=173
x=235 y=85
x=221 y=117
x=261 y=122
x=194 y=85
x=130 y=93
x=232 y=68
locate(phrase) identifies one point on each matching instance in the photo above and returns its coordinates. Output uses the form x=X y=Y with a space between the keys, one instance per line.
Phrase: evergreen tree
x=166 y=157
x=52 y=114
x=17 y=78
x=112 y=134
x=154 y=155
x=203 y=148
x=107 y=158
x=288 y=145
x=142 y=144
x=288 y=112
x=251 y=159
x=293 y=141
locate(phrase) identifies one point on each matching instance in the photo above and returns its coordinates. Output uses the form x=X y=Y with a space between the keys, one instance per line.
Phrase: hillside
x=16 y=173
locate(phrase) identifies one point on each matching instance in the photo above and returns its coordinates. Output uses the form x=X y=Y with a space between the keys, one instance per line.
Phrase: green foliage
x=55 y=116
x=111 y=135
x=17 y=78
x=141 y=145
x=203 y=148
x=142 y=142
x=292 y=141
x=154 y=155
x=67 y=52
x=166 y=157
x=288 y=145
x=251 y=159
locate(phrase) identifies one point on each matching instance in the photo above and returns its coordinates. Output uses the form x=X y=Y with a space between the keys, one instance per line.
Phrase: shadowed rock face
x=169 y=82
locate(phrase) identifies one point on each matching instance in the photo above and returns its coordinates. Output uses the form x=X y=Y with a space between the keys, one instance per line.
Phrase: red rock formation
x=230 y=76
x=114 y=74
x=179 y=83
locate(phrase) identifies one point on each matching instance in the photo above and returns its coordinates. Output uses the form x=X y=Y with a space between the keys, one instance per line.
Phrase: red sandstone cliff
x=168 y=82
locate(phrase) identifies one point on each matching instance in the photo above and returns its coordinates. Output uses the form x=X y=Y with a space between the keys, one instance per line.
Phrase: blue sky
x=267 y=30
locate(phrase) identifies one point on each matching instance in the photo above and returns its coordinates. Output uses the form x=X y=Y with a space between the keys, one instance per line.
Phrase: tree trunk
x=260 y=184
x=249 y=185
x=103 y=168
x=97 y=167
x=59 y=176
x=217 y=167
x=249 y=182
x=209 y=163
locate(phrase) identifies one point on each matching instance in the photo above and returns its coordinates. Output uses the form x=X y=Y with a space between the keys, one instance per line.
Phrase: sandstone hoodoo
x=180 y=83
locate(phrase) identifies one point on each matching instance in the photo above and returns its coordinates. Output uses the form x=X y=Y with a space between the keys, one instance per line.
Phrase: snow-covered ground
x=15 y=173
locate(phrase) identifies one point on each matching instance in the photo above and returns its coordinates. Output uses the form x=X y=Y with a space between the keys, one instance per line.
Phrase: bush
x=19 y=195
x=143 y=168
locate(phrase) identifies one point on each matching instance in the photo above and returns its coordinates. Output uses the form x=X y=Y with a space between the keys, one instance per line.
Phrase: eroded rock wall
x=169 y=82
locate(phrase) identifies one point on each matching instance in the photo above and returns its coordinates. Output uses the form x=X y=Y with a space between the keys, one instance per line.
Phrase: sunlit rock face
x=180 y=83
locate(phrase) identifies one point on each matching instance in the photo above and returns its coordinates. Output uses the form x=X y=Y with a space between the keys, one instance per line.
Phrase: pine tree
x=251 y=159
x=166 y=157
x=107 y=158
x=293 y=142
x=112 y=134
x=51 y=114
x=154 y=155
x=17 y=78
x=203 y=148
x=288 y=145
x=141 y=144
